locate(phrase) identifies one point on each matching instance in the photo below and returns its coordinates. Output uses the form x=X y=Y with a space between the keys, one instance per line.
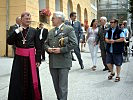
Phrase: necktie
x=103 y=27
x=72 y=23
x=56 y=28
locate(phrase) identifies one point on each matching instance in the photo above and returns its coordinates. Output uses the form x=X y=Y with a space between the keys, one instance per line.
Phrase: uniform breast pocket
x=50 y=39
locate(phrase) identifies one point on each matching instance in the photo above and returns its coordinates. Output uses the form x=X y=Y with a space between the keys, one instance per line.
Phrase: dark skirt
x=21 y=84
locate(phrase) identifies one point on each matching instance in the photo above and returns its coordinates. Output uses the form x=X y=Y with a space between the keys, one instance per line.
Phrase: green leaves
x=131 y=8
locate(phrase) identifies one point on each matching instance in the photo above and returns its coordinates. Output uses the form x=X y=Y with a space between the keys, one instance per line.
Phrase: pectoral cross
x=24 y=40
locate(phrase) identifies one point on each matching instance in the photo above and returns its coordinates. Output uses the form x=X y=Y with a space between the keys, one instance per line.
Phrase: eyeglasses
x=112 y=22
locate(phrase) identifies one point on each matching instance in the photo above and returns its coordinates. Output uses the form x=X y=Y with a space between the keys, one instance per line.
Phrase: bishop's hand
x=37 y=64
x=18 y=30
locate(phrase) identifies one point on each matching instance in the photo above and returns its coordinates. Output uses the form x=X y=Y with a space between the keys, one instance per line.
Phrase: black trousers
x=103 y=54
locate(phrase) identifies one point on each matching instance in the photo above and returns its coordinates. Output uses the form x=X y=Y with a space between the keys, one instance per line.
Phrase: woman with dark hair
x=91 y=36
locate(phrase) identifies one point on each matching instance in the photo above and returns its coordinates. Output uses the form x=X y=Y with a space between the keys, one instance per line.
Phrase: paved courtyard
x=83 y=84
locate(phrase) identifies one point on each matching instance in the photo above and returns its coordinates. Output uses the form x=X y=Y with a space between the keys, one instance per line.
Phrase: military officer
x=60 y=41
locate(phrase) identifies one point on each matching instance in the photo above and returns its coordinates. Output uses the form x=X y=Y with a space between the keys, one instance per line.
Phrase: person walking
x=101 y=38
x=115 y=47
x=59 y=43
x=91 y=37
x=79 y=34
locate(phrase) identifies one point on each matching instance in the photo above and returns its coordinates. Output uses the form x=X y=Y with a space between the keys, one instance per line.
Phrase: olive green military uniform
x=60 y=64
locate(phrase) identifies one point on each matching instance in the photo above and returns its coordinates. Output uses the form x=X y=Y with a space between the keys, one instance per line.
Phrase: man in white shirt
x=79 y=34
x=43 y=36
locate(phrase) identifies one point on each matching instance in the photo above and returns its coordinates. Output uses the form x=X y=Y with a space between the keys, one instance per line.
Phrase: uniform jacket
x=62 y=60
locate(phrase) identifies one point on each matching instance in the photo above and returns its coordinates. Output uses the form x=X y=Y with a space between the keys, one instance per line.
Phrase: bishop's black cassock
x=21 y=82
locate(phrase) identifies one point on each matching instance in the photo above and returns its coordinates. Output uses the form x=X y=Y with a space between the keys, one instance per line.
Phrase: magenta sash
x=30 y=52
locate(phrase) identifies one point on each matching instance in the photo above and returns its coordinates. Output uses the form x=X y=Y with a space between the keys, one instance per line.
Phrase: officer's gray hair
x=104 y=18
x=60 y=15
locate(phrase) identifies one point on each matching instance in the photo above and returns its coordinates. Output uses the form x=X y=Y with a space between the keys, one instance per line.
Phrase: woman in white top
x=91 y=36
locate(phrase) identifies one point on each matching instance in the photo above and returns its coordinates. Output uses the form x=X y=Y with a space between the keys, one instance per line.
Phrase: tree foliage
x=131 y=8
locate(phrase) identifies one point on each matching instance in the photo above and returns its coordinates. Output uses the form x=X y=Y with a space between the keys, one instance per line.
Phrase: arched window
x=78 y=12
x=58 y=5
x=43 y=4
x=86 y=19
x=93 y=15
x=69 y=7
x=85 y=14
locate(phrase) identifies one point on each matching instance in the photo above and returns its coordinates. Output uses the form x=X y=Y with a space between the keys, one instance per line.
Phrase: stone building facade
x=10 y=9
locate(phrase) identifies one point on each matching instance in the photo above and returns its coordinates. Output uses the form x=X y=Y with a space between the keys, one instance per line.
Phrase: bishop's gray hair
x=104 y=18
x=60 y=15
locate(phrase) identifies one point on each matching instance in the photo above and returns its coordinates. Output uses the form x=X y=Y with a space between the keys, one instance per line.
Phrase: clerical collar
x=25 y=27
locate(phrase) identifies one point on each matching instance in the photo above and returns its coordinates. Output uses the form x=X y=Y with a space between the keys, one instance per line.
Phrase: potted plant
x=44 y=15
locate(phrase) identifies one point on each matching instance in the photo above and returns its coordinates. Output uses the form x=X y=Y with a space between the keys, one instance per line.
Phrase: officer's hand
x=20 y=29
x=56 y=50
x=50 y=50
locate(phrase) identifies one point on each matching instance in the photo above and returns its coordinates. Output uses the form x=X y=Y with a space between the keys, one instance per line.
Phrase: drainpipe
x=98 y=9
x=7 y=24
